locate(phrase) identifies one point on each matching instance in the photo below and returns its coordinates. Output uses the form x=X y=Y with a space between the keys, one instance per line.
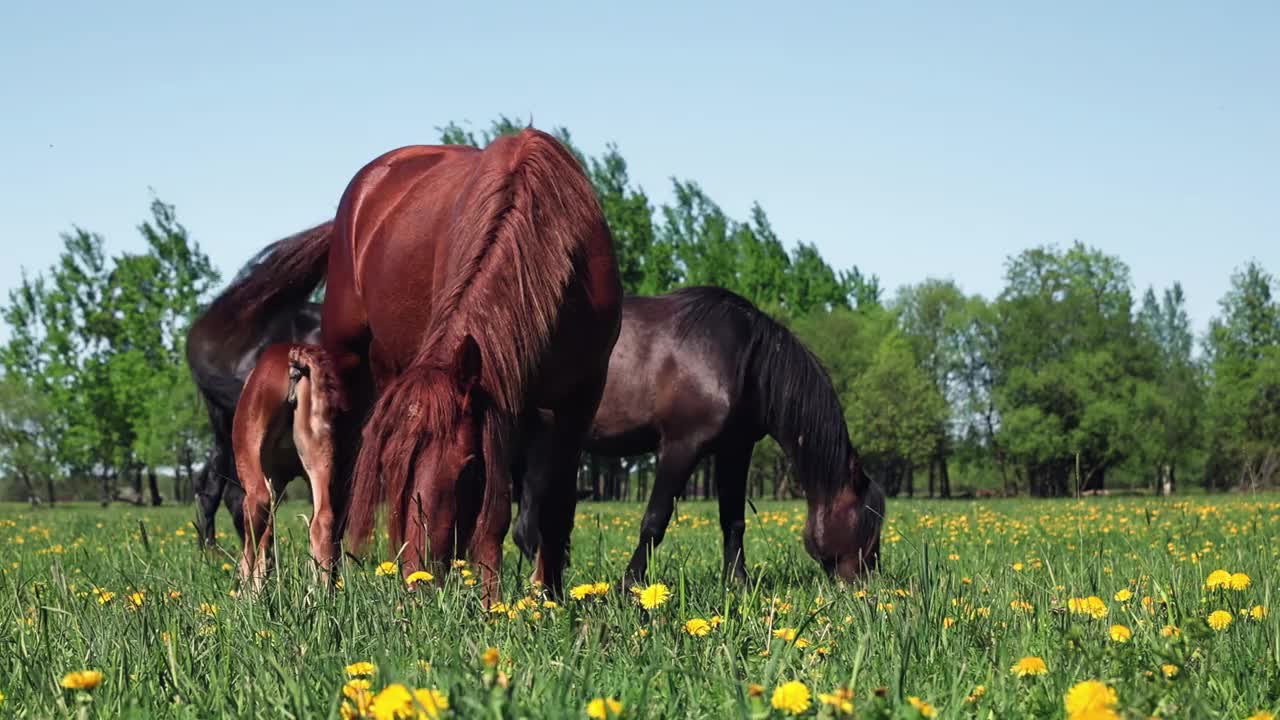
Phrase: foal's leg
x=675 y=462
x=255 y=562
x=313 y=436
x=731 y=466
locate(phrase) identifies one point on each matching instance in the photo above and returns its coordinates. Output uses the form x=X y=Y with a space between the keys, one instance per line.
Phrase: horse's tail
x=282 y=277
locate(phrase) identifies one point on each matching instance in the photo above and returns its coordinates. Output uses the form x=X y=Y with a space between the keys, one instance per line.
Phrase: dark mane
x=282 y=275
x=796 y=402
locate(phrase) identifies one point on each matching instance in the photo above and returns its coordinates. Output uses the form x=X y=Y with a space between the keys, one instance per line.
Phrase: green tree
x=1169 y=407
x=1066 y=367
x=28 y=439
x=1243 y=349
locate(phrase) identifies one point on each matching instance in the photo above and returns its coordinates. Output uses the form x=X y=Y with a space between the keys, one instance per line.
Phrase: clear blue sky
x=929 y=140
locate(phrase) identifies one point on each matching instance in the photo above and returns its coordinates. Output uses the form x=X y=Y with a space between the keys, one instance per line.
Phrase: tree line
x=1068 y=381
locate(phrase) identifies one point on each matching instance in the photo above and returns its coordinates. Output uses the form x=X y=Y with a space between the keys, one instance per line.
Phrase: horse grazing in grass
x=283 y=428
x=701 y=372
x=266 y=303
x=468 y=290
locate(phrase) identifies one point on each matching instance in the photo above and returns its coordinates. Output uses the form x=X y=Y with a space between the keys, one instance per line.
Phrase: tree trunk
x=909 y=478
x=31 y=488
x=933 y=473
x=154 y=483
x=1166 y=480
x=105 y=479
x=944 y=477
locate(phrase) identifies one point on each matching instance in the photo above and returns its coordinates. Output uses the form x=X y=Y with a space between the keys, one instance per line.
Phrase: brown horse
x=701 y=372
x=266 y=303
x=468 y=290
x=283 y=428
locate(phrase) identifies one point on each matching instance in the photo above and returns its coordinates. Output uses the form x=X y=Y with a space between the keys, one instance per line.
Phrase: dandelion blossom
x=976 y=695
x=386 y=568
x=925 y=709
x=791 y=697
x=418 y=576
x=356 y=688
x=1170 y=631
x=653 y=596
x=1030 y=665
x=697 y=627
x=361 y=669
x=841 y=700
x=1219 y=619
x=1090 y=699
x=1218 y=579
x=490 y=657
x=82 y=680
x=1121 y=634
x=1239 y=581
x=1124 y=595
x=1261 y=715
x=603 y=708
x=1169 y=670
x=1259 y=612
x=396 y=701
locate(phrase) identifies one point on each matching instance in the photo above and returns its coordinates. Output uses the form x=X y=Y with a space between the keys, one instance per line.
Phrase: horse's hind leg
x=313 y=436
x=731 y=466
x=255 y=564
x=675 y=462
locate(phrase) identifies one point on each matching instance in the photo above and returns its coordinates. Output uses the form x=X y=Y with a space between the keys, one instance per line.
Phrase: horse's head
x=451 y=453
x=843 y=528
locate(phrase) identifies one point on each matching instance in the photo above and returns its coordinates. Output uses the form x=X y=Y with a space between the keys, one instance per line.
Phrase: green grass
x=283 y=654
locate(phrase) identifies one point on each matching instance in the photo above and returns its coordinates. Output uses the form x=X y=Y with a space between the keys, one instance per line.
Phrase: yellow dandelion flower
x=841 y=699
x=1239 y=581
x=1219 y=619
x=208 y=609
x=1089 y=699
x=1124 y=595
x=976 y=695
x=1169 y=670
x=355 y=688
x=82 y=680
x=361 y=669
x=653 y=596
x=490 y=657
x=716 y=620
x=948 y=622
x=1022 y=605
x=786 y=634
x=600 y=588
x=925 y=709
x=384 y=569
x=396 y=702
x=1030 y=665
x=791 y=697
x=1121 y=634
x=175 y=595
x=1259 y=612
x=697 y=627
x=602 y=708
x=104 y=596
x=755 y=690
x=581 y=592
x=1218 y=579
x=459 y=564
x=1262 y=715
x=1018 y=567
x=1170 y=631
x=136 y=599
x=418 y=576
x=227 y=567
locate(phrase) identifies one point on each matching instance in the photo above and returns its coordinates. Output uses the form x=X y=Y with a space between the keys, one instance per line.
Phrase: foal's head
x=843 y=528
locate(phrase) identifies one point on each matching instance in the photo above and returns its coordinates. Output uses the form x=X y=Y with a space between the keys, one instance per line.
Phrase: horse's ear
x=466 y=363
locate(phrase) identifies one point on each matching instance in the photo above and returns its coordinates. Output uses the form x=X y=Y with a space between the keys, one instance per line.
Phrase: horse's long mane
x=796 y=403
x=511 y=256
x=521 y=222
x=280 y=277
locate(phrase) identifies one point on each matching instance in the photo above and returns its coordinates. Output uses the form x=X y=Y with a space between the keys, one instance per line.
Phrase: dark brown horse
x=467 y=290
x=266 y=303
x=701 y=372
x=283 y=428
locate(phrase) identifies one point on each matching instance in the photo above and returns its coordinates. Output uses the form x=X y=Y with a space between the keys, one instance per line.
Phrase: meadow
x=1098 y=608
